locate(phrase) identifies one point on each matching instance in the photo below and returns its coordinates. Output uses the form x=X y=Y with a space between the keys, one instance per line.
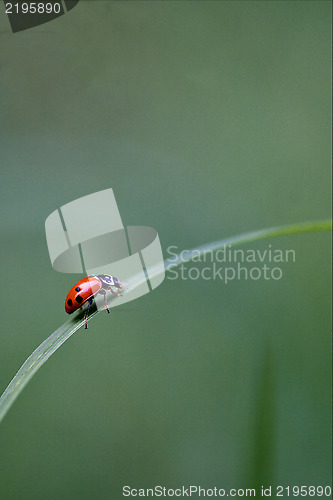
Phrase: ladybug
x=85 y=290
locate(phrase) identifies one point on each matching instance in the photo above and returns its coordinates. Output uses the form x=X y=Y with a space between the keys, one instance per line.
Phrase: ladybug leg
x=90 y=301
x=103 y=292
x=117 y=294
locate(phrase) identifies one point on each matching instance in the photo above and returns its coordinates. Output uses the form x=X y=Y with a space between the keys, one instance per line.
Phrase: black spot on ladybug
x=69 y=302
x=79 y=299
x=77 y=289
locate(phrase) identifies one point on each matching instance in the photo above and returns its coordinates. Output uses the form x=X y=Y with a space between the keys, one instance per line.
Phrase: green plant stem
x=242 y=239
x=57 y=338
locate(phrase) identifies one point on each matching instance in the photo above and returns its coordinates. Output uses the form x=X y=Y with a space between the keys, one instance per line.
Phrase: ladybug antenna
x=124 y=285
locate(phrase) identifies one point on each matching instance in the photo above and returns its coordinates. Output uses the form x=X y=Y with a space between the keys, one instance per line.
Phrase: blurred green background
x=207 y=119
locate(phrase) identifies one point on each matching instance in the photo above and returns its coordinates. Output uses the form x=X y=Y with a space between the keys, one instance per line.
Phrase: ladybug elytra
x=85 y=290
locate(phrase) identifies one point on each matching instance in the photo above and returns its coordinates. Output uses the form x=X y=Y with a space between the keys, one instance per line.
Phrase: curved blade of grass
x=57 y=338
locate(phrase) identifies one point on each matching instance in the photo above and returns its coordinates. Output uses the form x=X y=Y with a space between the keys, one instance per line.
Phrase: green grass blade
x=57 y=338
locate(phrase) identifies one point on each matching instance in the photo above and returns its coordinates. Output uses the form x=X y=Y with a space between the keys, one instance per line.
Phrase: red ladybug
x=86 y=289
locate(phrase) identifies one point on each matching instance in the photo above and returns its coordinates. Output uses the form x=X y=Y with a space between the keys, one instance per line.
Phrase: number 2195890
x=33 y=8
x=303 y=491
